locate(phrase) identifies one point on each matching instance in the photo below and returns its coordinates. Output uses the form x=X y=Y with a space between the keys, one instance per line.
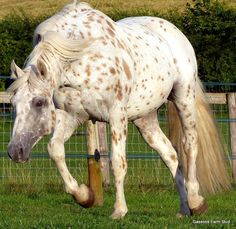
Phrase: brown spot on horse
x=127 y=70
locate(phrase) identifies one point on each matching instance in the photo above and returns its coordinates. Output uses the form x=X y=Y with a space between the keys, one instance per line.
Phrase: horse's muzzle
x=18 y=152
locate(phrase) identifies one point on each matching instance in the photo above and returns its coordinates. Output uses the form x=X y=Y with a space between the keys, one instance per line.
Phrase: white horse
x=84 y=65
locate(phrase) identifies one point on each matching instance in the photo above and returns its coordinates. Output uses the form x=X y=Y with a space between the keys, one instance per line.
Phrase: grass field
x=40 y=7
x=153 y=209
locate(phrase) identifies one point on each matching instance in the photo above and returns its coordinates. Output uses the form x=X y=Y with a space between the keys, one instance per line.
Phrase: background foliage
x=209 y=25
x=211 y=28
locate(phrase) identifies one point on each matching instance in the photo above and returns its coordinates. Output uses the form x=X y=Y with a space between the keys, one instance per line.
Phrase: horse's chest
x=95 y=105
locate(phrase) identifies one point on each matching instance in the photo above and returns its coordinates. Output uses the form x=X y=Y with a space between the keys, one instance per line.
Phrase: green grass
x=154 y=209
x=34 y=8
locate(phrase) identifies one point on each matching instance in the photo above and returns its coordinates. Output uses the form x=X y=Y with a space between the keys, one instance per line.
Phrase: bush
x=16 y=33
x=211 y=28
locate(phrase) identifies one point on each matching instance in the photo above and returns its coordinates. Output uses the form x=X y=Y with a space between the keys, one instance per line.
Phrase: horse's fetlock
x=72 y=188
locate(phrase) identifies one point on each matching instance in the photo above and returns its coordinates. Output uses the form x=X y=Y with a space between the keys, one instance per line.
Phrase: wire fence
x=144 y=165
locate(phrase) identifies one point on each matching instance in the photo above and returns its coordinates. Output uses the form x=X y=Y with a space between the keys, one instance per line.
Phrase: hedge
x=209 y=25
x=211 y=28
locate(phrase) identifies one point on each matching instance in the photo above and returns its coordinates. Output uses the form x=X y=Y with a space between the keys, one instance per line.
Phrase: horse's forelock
x=32 y=78
x=37 y=82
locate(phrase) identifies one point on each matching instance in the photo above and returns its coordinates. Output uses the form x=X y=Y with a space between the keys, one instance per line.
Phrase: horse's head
x=35 y=111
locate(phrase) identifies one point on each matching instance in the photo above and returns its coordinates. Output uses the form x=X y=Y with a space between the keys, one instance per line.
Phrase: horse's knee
x=56 y=149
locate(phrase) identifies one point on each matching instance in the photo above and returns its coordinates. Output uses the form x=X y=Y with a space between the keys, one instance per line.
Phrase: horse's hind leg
x=184 y=99
x=153 y=135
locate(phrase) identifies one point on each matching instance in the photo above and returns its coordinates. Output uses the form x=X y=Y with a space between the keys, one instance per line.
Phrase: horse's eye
x=38 y=102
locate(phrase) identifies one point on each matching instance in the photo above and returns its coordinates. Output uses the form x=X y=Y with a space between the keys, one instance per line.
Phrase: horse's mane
x=53 y=51
x=67 y=50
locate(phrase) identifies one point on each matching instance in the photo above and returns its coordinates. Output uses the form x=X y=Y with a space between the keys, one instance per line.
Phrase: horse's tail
x=211 y=160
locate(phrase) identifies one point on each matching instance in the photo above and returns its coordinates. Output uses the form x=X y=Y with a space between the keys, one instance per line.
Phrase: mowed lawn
x=154 y=209
x=41 y=7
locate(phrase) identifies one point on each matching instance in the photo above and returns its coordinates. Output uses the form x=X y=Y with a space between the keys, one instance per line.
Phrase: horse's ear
x=16 y=72
x=42 y=68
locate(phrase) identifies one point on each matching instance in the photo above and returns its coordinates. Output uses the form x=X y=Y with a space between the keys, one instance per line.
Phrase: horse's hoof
x=180 y=215
x=200 y=209
x=118 y=214
x=88 y=202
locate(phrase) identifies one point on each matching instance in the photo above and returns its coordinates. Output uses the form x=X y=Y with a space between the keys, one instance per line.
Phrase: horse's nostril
x=17 y=152
x=21 y=151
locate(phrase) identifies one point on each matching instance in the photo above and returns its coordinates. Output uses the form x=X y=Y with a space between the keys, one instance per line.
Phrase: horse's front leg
x=64 y=128
x=118 y=122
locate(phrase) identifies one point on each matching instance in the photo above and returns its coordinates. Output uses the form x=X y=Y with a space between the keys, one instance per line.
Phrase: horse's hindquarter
x=160 y=53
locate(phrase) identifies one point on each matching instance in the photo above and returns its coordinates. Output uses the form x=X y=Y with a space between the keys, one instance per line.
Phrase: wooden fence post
x=94 y=164
x=103 y=149
x=232 y=115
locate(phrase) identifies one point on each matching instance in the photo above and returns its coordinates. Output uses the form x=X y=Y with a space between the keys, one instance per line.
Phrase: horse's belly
x=147 y=97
